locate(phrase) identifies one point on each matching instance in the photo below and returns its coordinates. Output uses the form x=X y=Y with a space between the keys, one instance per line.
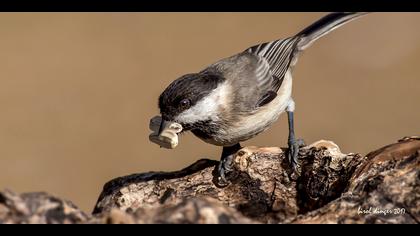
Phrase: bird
x=241 y=96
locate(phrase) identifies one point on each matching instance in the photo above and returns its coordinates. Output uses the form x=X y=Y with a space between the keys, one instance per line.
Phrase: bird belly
x=250 y=125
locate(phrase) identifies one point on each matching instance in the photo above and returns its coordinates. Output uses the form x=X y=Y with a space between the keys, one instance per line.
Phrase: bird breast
x=249 y=125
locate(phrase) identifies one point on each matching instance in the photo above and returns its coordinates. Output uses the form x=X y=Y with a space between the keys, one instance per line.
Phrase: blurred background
x=77 y=90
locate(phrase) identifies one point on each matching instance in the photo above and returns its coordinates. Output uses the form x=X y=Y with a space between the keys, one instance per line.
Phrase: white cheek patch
x=207 y=108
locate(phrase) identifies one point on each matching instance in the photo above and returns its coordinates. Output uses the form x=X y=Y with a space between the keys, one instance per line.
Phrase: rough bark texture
x=327 y=187
x=38 y=208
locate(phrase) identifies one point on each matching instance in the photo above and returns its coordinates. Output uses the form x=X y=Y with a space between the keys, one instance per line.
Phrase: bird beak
x=163 y=124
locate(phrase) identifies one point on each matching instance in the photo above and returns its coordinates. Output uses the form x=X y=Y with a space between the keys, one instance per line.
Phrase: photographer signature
x=377 y=210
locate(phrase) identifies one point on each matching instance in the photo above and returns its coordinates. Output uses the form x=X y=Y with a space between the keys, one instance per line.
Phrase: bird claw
x=293 y=153
x=224 y=168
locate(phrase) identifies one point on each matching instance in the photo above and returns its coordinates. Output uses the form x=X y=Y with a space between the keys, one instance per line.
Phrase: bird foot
x=224 y=168
x=293 y=152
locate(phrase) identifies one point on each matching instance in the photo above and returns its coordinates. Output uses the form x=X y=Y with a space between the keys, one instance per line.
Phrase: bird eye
x=185 y=103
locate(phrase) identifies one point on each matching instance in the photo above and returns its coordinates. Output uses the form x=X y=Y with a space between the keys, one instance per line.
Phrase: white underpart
x=251 y=125
x=206 y=109
x=291 y=106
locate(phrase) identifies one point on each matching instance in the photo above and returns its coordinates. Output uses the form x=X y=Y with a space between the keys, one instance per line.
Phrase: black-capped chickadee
x=238 y=97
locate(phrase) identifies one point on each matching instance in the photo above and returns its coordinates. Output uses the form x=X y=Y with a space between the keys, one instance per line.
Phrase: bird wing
x=257 y=73
x=274 y=57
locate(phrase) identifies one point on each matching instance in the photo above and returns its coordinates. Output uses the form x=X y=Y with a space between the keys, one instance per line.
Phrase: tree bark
x=327 y=187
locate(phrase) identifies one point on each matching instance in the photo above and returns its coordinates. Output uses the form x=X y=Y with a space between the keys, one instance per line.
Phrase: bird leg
x=294 y=144
x=225 y=165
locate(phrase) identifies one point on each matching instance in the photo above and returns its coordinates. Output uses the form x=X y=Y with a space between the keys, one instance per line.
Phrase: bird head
x=191 y=99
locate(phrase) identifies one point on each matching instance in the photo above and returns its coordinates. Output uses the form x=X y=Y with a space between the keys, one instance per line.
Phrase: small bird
x=238 y=97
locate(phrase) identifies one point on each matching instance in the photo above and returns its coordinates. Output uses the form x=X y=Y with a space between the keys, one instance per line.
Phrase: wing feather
x=274 y=57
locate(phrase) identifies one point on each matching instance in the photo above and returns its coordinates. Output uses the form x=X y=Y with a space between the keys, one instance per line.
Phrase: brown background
x=77 y=90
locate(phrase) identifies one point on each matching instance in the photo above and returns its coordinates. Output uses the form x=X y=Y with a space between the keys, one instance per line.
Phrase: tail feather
x=323 y=26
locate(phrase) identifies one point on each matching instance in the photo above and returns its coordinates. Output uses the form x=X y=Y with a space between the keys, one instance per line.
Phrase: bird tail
x=323 y=26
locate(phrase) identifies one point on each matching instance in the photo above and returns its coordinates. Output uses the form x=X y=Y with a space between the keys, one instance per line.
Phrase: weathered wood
x=38 y=208
x=384 y=189
x=327 y=187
